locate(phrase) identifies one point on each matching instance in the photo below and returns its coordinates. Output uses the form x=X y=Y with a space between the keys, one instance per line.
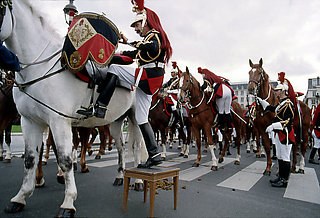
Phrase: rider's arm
x=8 y=60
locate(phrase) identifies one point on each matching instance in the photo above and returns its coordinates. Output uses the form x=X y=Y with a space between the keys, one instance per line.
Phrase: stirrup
x=89 y=112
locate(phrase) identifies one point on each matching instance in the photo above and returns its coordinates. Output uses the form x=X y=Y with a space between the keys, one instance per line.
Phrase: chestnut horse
x=259 y=86
x=159 y=119
x=201 y=115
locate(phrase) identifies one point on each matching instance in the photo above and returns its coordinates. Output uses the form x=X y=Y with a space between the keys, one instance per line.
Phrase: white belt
x=152 y=65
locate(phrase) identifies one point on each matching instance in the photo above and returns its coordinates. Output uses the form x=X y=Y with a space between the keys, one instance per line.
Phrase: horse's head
x=256 y=77
x=185 y=83
x=6 y=19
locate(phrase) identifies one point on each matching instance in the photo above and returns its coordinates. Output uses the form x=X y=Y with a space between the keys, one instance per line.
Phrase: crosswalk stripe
x=179 y=160
x=195 y=172
x=246 y=178
x=304 y=187
x=108 y=163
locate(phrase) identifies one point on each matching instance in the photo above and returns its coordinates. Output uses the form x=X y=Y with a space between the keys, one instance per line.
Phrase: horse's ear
x=260 y=62
x=187 y=70
x=250 y=63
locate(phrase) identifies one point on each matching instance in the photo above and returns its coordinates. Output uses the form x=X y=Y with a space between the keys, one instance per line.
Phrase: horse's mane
x=45 y=22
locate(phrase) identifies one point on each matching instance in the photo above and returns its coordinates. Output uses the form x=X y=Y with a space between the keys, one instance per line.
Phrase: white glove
x=274 y=126
x=173 y=91
x=263 y=103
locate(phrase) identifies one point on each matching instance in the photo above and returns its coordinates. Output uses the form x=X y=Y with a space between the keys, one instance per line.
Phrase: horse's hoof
x=118 y=182
x=79 y=155
x=90 y=152
x=75 y=167
x=85 y=170
x=40 y=184
x=1 y=158
x=236 y=162
x=274 y=157
x=179 y=147
x=7 y=161
x=65 y=213
x=195 y=165
x=205 y=151
x=220 y=160
x=214 y=168
x=258 y=155
x=98 y=157
x=60 y=179
x=163 y=158
x=263 y=155
x=228 y=153
x=170 y=147
x=255 y=151
x=186 y=156
x=44 y=163
x=267 y=173
x=248 y=151
x=109 y=148
x=14 y=207
x=301 y=171
x=181 y=154
x=138 y=187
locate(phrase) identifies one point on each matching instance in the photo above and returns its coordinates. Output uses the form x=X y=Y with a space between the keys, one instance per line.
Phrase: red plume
x=174 y=64
x=138 y=4
x=199 y=70
x=281 y=76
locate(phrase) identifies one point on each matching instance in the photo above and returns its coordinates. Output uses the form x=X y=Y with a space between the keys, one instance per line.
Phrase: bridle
x=188 y=94
x=258 y=83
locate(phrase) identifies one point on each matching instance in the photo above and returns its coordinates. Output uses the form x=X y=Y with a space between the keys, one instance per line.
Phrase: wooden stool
x=151 y=175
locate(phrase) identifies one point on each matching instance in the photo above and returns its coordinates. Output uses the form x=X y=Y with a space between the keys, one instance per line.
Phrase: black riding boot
x=283 y=175
x=274 y=152
x=311 y=157
x=228 y=122
x=177 y=119
x=277 y=179
x=221 y=121
x=103 y=100
x=151 y=144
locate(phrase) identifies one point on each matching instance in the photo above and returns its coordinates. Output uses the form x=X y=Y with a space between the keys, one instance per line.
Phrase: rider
x=222 y=96
x=316 y=135
x=281 y=131
x=8 y=60
x=172 y=93
x=152 y=53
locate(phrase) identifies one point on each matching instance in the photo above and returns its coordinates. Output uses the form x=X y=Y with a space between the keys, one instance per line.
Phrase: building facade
x=241 y=91
x=312 y=97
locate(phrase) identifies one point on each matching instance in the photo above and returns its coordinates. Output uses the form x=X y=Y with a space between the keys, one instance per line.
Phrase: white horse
x=52 y=101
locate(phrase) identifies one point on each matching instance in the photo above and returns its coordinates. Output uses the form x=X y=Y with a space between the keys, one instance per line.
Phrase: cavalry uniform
x=151 y=53
x=8 y=60
x=222 y=96
x=316 y=135
x=282 y=134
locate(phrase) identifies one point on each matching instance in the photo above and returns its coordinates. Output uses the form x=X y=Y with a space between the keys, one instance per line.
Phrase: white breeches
x=174 y=106
x=143 y=101
x=224 y=103
x=283 y=151
x=316 y=140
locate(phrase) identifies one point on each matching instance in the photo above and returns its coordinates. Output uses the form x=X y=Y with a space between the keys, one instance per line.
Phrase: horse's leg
x=84 y=134
x=238 y=144
x=39 y=173
x=93 y=133
x=208 y=135
x=1 y=146
x=303 y=149
x=33 y=140
x=7 y=158
x=198 y=138
x=294 y=156
x=185 y=144
x=62 y=134
x=116 y=132
x=266 y=143
x=109 y=136
x=48 y=144
x=163 y=144
x=75 y=141
x=227 y=139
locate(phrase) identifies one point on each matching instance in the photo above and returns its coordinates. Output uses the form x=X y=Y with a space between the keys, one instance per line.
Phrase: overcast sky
x=223 y=35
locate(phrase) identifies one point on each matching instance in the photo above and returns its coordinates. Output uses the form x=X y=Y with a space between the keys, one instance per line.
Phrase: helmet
x=140 y=17
x=282 y=87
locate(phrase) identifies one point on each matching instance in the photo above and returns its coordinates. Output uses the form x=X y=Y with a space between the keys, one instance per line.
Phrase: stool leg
x=175 y=191
x=125 y=192
x=145 y=190
x=152 y=196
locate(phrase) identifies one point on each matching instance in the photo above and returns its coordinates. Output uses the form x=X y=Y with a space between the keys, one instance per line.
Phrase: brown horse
x=159 y=118
x=259 y=86
x=201 y=115
x=8 y=113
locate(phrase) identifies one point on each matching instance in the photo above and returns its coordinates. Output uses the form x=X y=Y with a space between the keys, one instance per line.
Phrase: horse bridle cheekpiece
x=3 y=5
